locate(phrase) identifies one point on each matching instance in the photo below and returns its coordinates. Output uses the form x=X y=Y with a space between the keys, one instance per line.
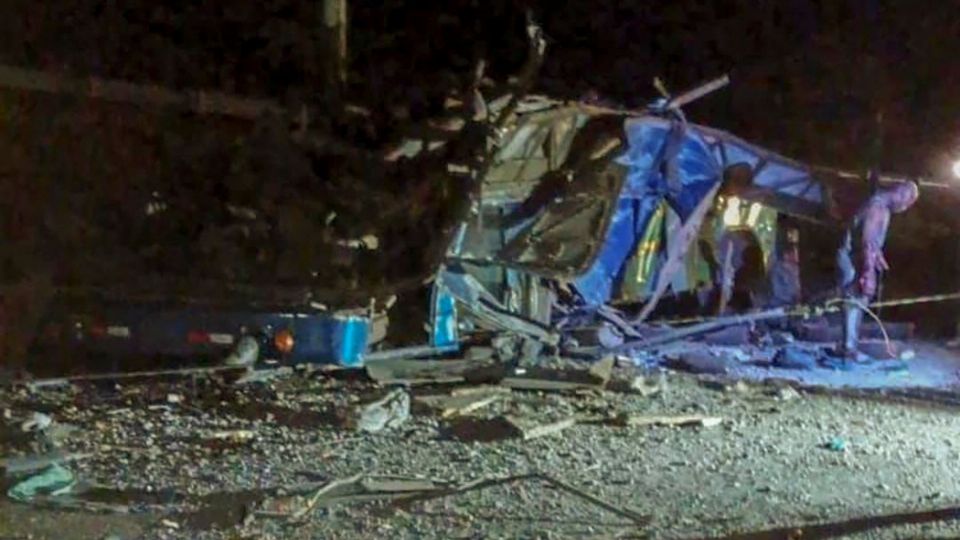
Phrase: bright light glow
x=956 y=168
x=731 y=216
x=754 y=214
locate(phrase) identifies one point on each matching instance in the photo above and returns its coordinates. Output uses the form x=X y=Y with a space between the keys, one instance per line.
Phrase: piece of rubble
x=385 y=413
x=174 y=398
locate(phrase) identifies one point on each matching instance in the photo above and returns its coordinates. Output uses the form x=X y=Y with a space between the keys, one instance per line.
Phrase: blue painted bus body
x=146 y=330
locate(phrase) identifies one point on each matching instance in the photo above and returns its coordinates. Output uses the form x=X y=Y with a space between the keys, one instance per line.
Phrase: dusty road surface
x=205 y=458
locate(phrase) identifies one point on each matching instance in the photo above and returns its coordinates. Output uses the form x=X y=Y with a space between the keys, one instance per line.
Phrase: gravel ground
x=765 y=468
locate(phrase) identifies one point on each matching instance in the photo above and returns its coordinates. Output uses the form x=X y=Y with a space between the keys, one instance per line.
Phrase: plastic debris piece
x=54 y=480
x=837 y=444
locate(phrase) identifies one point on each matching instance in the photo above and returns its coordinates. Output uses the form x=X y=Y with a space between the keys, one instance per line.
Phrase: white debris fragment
x=36 y=422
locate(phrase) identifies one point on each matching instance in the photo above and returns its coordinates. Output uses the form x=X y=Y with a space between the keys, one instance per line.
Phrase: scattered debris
x=174 y=398
x=385 y=413
x=54 y=480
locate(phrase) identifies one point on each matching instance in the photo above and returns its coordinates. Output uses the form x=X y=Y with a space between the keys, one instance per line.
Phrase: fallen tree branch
x=484 y=483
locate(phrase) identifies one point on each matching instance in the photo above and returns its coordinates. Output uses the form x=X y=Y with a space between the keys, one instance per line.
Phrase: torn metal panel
x=485 y=311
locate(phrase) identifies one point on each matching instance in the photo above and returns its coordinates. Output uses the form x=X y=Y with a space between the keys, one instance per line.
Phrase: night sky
x=809 y=78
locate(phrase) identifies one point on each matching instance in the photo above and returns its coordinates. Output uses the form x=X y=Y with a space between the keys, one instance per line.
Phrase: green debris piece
x=54 y=480
x=837 y=444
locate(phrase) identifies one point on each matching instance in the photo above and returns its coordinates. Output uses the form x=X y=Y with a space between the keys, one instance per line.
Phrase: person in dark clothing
x=860 y=257
x=785 y=289
x=741 y=272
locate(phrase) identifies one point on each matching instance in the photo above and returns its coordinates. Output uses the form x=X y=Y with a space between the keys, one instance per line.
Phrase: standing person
x=860 y=256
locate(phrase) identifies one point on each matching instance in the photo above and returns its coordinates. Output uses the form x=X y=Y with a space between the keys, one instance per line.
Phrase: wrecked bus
x=586 y=207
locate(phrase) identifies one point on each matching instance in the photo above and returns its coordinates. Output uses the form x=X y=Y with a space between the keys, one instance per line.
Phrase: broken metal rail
x=830 y=306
